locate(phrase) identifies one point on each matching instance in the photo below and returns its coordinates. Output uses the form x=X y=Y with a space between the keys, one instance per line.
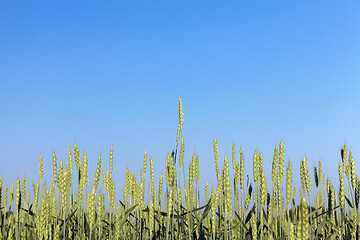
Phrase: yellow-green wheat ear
x=233 y=156
x=23 y=191
x=18 y=192
x=320 y=172
x=289 y=183
x=196 y=168
x=281 y=160
x=97 y=174
x=216 y=155
x=152 y=171
x=84 y=171
x=5 y=198
x=342 y=191
x=275 y=164
x=76 y=157
x=242 y=169
x=145 y=160
x=69 y=178
x=256 y=167
x=357 y=191
x=111 y=159
x=182 y=152
x=352 y=169
x=207 y=191
x=41 y=170
x=263 y=189
x=302 y=228
x=180 y=121
x=160 y=188
x=54 y=167
x=308 y=183
x=305 y=178
x=253 y=226
x=344 y=162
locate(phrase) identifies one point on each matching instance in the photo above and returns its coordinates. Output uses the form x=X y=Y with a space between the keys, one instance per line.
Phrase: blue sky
x=102 y=74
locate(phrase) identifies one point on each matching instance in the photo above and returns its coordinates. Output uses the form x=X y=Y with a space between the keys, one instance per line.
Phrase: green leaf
x=348 y=201
x=320 y=226
x=203 y=216
x=127 y=212
x=248 y=217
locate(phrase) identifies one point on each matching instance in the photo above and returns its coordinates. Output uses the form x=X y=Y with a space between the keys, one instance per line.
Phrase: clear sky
x=110 y=73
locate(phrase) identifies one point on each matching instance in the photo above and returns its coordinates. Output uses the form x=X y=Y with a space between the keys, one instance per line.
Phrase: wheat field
x=171 y=209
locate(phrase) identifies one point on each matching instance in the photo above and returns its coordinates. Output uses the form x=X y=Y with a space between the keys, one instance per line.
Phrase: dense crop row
x=171 y=210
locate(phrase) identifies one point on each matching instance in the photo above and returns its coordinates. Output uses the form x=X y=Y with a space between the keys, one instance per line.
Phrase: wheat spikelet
x=342 y=191
x=216 y=155
x=281 y=161
x=41 y=170
x=275 y=165
x=289 y=183
x=180 y=121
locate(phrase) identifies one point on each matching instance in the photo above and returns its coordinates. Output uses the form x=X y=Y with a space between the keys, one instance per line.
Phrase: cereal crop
x=236 y=208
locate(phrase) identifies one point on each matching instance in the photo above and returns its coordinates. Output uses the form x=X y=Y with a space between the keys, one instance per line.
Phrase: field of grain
x=234 y=208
